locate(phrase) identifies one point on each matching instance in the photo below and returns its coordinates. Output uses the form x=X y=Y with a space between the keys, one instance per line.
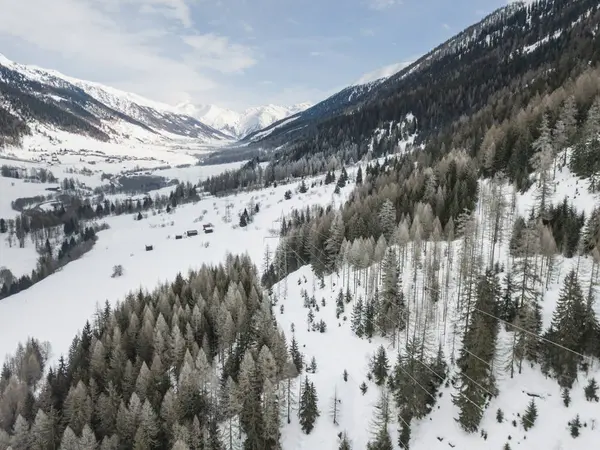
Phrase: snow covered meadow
x=72 y=294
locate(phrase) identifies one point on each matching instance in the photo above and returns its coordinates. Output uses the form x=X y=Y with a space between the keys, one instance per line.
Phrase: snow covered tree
x=356 y=322
x=308 y=410
x=380 y=366
x=530 y=415
x=20 y=439
x=566 y=330
x=591 y=391
x=387 y=219
x=391 y=317
x=333 y=243
x=542 y=161
x=345 y=442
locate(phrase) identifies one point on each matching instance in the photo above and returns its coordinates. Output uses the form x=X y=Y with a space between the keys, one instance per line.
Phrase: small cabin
x=208 y=228
x=192 y=233
x=149 y=248
x=178 y=236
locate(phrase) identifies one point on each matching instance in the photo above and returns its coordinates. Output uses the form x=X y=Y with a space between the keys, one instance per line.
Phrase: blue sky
x=233 y=53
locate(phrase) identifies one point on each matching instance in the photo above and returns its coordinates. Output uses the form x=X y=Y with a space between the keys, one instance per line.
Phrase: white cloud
x=247 y=27
x=145 y=46
x=380 y=5
x=367 y=32
x=217 y=53
x=445 y=26
x=383 y=72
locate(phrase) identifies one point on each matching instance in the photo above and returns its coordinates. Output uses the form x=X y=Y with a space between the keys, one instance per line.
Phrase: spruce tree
x=530 y=415
x=296 y=356
x=380 y=366
x=345 y=443
x=566 y=396
x=356 y=322
x=574 y=426
x=591 y=391
x=567 y=319
x=308 y=410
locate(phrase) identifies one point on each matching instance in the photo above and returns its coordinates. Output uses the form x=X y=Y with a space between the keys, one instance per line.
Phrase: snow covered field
x=73 y=293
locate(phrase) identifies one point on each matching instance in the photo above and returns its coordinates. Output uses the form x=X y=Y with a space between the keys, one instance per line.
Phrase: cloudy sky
x=233 y=53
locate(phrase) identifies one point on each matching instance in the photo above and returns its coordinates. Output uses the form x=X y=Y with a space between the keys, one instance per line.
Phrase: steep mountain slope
x=241 y=124
x=31 y=95
x=511 y=56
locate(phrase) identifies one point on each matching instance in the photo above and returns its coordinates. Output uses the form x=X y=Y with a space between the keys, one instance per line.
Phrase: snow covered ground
x=70 y=296
x=56 y=308
x=339 y=348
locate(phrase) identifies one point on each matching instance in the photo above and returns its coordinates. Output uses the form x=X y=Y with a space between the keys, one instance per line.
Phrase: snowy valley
x=240 y=125
x=412 y=263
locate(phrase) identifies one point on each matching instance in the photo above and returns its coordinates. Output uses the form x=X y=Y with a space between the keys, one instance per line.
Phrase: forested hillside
x=485 y=76
x=444 y=296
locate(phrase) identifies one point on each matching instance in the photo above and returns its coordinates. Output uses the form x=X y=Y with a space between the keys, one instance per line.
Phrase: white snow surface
x=240 y=124
x=88 y=278
x=338 y=349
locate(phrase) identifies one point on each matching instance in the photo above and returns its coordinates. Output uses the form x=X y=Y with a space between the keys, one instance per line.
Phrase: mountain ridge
x=244 y=123
x=107 y=113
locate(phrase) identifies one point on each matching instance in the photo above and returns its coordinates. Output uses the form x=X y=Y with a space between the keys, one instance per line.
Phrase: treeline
x=74 y=208
x=457 y=92
x=196 y=364
x=73 y=247
x=403 y=195
x=39 y=174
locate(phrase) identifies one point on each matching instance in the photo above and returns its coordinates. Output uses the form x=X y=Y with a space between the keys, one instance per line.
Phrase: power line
x=487 y=391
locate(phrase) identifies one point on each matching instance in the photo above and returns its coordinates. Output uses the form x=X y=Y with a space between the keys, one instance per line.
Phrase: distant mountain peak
x=90 y=108
x=240 y=124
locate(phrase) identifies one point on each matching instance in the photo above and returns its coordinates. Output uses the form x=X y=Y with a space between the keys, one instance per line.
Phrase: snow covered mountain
x=34 y=98
x=241 y=124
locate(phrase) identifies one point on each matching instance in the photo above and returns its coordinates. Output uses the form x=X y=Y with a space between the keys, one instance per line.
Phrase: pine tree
x=479 y=339
x=380 y=366
x=499 y=416
x=359 y=176
x=387 y=219
x=574 y=426
x=357 y=318
x=339 y=305
x=334 y=241
x=345 y=442
x=530 y=415
x=20 y=439
x=391 y=314
x=296 y=356
x=303 y=187
x=382 y=441
x=87 y=439
x=405 y=431
x=566 y=330
x=566 y=396
x=591 y=391
x=308 y=410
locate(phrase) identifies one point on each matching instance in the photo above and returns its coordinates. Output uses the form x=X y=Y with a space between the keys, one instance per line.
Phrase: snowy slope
x=339 y=349
x=244 y=123
x=89 y=277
